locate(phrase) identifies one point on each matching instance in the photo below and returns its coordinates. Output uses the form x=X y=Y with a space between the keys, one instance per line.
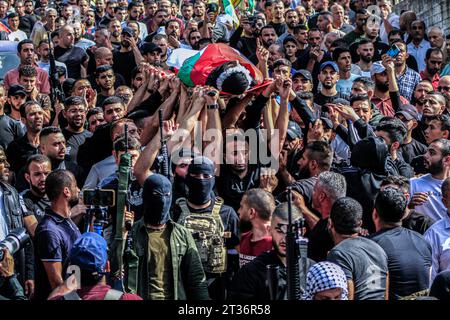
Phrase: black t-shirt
x=36 y=206
x=418 y=222
x=73 y=58
x=18 y=152
x=124 y=63
x=320 y=241
x=74 y=141
x=10 y=130
x=321 y=99
x=280 y=28
x=232 y=188
x=411 y=150
x=120 y=81
x=409 y=260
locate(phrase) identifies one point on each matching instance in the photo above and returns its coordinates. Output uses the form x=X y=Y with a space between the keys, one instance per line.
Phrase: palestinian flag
x=194 y=66
x=3 y=27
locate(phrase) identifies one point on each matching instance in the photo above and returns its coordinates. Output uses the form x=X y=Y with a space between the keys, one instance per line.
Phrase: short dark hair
x=338 y=51
x=444 y=120
x=45 y=132
x=74 y=101
x=390 y=204
x=395 y=129
x=366 y=81
x=431 y=51
x=322 y=153
x=120 y=144
x=93 y=111
x=56 y=182
x=299 y=28
x=445 y=150
x=363 y=42
x=112 y=100
x=168 y=22
x=267 y=26
x=39 y=158
x=340 y=42
x=395 y=32
x=23 y=107
x=102 y=68
x=346 y=215
x=262 y=201
x=22 y=43
x=27 y=71
x=281 y=212
x=120 y=9
x=359 y=97
x=401 y=182
x=13 y=15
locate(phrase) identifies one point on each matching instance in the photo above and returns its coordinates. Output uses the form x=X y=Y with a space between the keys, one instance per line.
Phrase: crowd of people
x=342 y=106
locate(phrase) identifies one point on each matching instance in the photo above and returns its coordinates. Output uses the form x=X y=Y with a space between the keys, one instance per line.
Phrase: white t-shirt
x=434 y=208
x=18 y=35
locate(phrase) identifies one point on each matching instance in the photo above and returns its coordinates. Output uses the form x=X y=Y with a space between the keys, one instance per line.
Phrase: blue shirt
x=54 y=238
x=438 y=236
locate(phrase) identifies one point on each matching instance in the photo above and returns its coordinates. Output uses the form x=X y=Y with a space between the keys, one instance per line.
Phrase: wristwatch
x=212 y=106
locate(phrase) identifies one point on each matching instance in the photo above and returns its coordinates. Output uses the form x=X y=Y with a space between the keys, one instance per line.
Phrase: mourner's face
x=37 y=175
x=4 y=167
x=278 y=232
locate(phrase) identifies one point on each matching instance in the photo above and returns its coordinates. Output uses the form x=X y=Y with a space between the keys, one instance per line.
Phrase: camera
x=99 y=197
x=14 y=241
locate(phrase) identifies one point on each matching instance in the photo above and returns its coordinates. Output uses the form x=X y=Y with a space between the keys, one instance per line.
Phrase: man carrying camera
x=12 y=210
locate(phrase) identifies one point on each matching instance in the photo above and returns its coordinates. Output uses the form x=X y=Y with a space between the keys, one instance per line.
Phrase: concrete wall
x=434 y=12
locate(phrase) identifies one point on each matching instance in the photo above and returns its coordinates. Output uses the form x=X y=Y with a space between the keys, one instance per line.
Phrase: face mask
x=157 y=197
x=199 y=189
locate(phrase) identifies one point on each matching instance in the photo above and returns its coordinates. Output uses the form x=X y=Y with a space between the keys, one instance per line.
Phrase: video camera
x=14 y=241
x=98 y=199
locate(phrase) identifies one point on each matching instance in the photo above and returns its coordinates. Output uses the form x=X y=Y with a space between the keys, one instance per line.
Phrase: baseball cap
x=409 y=112
x=89 y=252
x=304 y=73
x=16 y=90
x=329 y=64
x=294 y=131
x=150 y=47
x=128 y=31
x=377 y=67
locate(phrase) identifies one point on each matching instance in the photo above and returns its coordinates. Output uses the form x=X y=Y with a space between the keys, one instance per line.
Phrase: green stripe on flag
x=185 y=71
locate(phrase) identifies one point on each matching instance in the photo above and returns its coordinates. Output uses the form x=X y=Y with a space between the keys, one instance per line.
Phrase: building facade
x=433 y=12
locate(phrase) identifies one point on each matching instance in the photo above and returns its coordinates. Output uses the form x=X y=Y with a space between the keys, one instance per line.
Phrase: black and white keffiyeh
x=323 y=276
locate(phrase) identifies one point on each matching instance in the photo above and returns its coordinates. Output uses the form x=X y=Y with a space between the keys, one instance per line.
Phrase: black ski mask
x=200 y=189
x=157 y=198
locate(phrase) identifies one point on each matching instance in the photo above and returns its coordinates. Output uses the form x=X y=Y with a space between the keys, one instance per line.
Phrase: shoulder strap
x=217 y=205
x=113 y=295
x=181 y=202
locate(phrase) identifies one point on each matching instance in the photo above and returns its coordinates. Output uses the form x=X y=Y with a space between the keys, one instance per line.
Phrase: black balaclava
x=200 y=189
x=157 y=198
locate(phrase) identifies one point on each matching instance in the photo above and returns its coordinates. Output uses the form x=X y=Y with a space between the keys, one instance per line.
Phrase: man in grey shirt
x=363 y=261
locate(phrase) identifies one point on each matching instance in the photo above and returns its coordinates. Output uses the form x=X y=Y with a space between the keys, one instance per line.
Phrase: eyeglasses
x=443 y=88
x=3 y=160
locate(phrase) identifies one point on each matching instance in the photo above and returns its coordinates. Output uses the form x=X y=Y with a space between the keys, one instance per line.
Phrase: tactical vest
x=208 y=232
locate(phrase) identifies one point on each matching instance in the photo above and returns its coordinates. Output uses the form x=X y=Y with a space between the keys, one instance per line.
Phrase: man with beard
x=255 y=214
x=434 y=104
x=79 y=36
x=43 y=51
x=154 y=25
x=425 y=191
x=134 y=12
x=433 y=61
x=328 y=77
x=75 y=133
x=102 y=38
x=172 y=31
x=267 y=37
x=128 y=56
x=444 y=89
x=37 y=169
x=418 y=46
x=193 y=39
x=361 y=17
x=292 y=20
x=161 y=41
x=420 y=92
x=105 y=78
x=330 y=186
x=244 y=38
x=386 y=94
x=115 y=29
x=10 y=129
x=56 y=232
x=109 y=13
x=13 y=209
x=27 y=19
x=19 y=150
x=201 y=200
x=16 y=97
x=89 y=22
x=75 y=58
x=250 y=282
x=103 y=56
x=26 y=53
x=366 y=52
x=343 y=59
x=407 y=79
x=438 y=128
